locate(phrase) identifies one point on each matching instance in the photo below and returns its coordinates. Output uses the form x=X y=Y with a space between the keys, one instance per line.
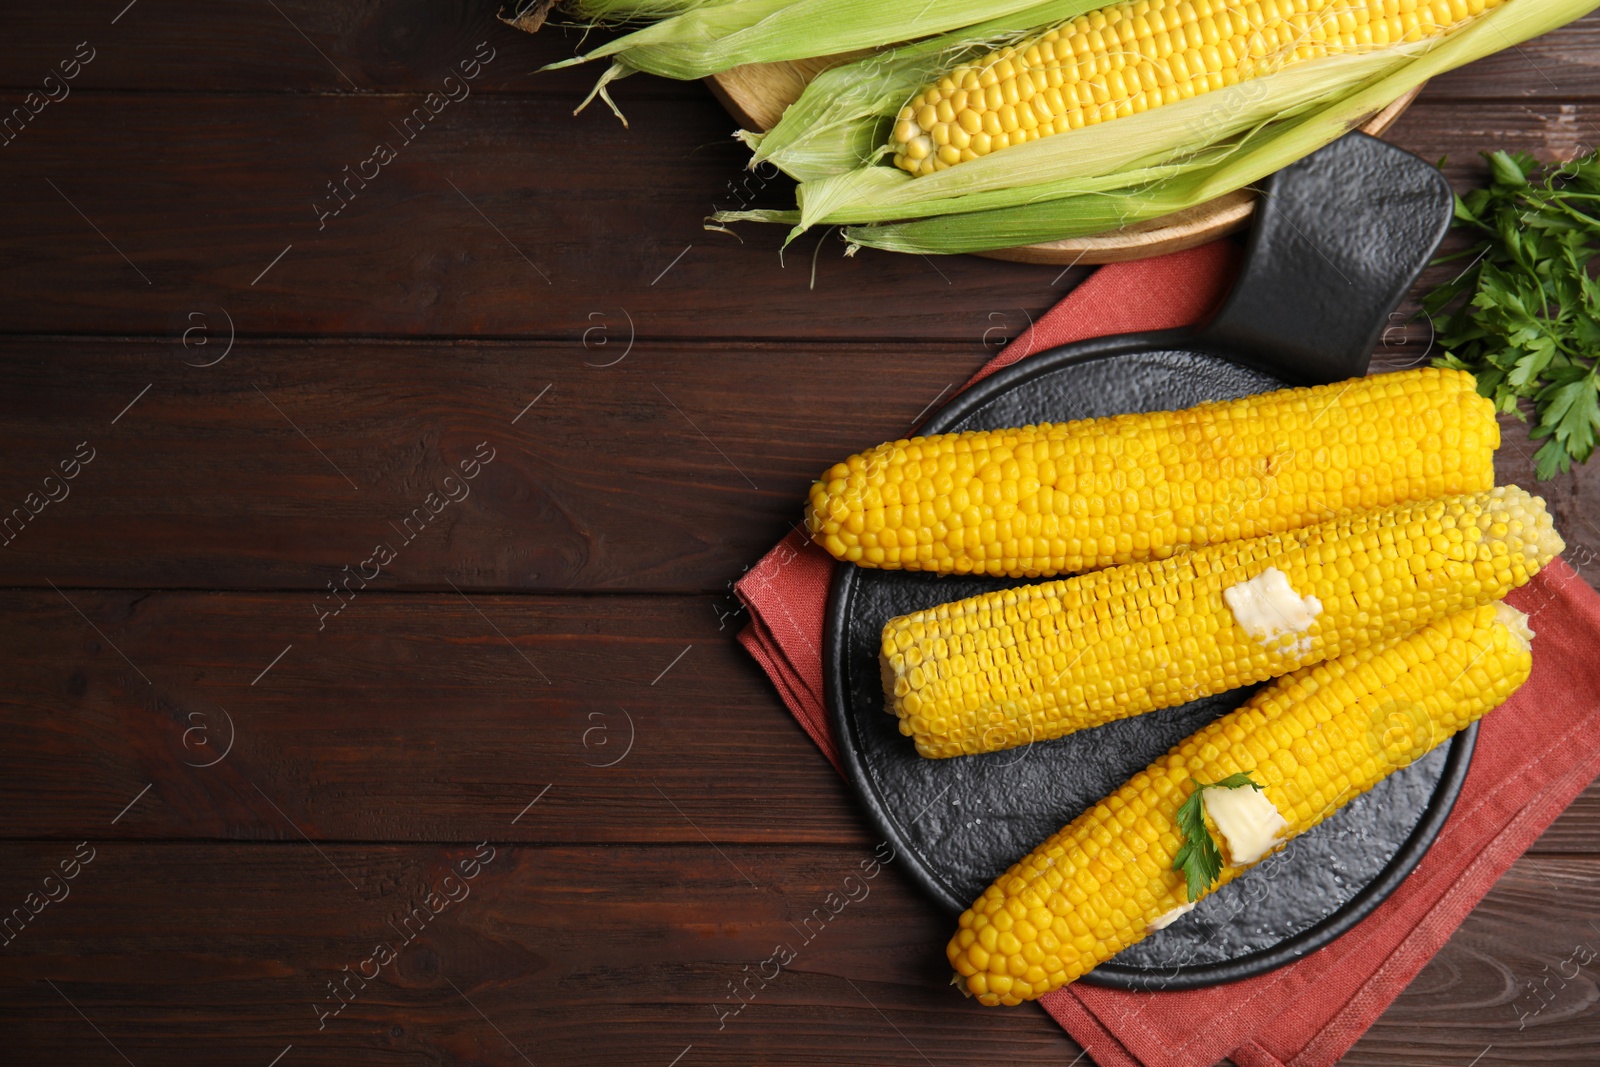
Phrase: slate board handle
x=1339 y=239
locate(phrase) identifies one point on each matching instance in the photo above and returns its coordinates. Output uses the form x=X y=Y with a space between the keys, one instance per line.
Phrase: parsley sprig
x=1529 y=328
x=1199 y=859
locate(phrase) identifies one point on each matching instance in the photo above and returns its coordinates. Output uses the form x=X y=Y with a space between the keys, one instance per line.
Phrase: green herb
x=1530 y=328
x=1199 y=859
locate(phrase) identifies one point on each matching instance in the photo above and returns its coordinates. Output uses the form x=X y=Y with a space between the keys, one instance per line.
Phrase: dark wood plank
x=337 y=46
x=222 y=953
x=1458 y=131
x=1557 y=68
x=502 y=216
x=410 y=45
x=206 y=197
x=572 y=955
x=1577 y=830
x=414 y=718
x=673 y=469
x=405 y=718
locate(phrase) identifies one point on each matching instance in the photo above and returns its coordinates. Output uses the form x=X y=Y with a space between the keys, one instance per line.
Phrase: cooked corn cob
x=1126 y=58
x=1076 y=495
x=1314 y=739
x=1035 y=662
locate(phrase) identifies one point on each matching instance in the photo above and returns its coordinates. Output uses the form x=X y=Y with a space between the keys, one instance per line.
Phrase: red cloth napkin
x=1534 y=755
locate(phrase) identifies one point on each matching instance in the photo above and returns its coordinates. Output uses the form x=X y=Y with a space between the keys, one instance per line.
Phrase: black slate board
x=958 y=823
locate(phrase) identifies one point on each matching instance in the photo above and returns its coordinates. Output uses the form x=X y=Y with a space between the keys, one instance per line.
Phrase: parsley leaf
x=1198 y=858
x=1524 y=316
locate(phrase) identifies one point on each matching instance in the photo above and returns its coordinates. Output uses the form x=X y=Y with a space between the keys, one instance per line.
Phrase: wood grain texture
x=222 y=954
x=582 y=954
x=409 y=45
x=417 y=718
x=502 y=216
x=404 y=718
x=345 y=46
x=672 y=470
x=441 y=242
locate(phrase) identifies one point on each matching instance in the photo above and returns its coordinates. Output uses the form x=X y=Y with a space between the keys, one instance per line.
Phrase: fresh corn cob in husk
x=1129 y=57
x=1072 y=496
x=1103 y=175
x=1035 y=662
x=1314 y=739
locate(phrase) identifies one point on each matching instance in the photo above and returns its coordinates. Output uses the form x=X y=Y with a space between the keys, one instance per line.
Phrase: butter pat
x=1170 y=917
x=1248 y=822
x=1269 y=610
x=1517 y=623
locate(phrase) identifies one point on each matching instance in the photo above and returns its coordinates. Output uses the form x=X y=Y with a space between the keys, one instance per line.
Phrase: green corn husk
x=530 y=15
x=1149 y=165
x=1202 y=125
x=612 y=12
x=840 y=121
x=708 y=40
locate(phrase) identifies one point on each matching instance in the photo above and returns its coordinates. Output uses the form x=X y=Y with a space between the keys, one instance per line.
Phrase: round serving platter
x=958 y=823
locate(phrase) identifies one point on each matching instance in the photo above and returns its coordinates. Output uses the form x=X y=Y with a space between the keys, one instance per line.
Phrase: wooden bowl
x=757 y=94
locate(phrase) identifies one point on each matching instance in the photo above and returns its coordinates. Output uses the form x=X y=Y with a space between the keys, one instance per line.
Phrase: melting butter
x=1269 y=610
x=1249 y=822
x=1170 y=917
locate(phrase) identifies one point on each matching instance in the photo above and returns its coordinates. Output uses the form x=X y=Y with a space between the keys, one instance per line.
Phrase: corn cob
x=1072 y=496
x=1314 y=739
x=1127 y=58
x=1035 y=662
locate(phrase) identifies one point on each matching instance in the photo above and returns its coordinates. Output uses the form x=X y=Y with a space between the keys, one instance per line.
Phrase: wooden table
x=511 y=356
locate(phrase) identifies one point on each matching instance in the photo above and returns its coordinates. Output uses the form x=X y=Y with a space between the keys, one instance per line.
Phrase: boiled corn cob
x=1127 y=58
x=1071 y=496
x=1035 y=662
x=1314 y=739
